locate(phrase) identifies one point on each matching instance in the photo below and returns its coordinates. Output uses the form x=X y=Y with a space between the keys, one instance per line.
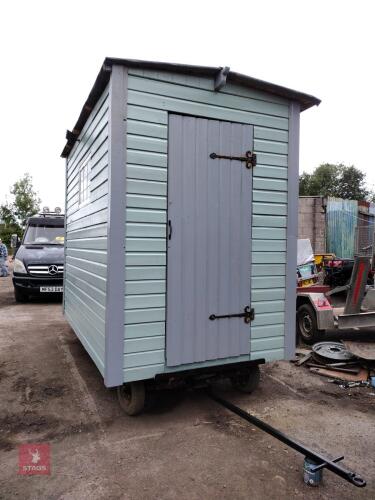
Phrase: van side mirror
x=14 y=241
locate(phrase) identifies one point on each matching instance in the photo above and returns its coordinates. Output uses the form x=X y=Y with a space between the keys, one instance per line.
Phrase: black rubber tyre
x=307 y=326
x=132 y=397
x=20 y=296
x=247 y=381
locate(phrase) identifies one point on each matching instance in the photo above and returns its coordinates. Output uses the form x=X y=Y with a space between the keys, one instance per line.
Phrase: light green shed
x=181 y=207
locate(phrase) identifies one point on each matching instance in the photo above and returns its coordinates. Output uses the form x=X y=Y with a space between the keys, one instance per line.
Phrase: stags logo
x=34 y=459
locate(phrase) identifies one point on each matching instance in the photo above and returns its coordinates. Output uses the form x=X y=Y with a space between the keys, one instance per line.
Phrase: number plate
x=51 y=289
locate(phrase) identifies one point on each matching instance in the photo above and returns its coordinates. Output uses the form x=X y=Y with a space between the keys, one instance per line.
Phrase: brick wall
x=312 y=221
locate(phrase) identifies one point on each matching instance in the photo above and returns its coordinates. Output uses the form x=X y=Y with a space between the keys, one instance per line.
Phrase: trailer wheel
x=247 y=381
x=132 y=397
x=307 y=326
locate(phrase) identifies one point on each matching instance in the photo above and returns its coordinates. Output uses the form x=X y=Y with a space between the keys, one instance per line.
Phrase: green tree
x=7 y=214
x=337 y=180
x=26 y=201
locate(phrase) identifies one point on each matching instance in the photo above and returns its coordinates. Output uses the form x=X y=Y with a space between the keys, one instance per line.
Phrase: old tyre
x=307 y=326
x=132 y=397
x=20 y=296
x=247 y=381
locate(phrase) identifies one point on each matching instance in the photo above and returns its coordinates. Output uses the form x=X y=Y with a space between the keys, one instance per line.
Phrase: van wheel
x=247 y=381
x=307 y=325
x=20 y=296
x=132 y=397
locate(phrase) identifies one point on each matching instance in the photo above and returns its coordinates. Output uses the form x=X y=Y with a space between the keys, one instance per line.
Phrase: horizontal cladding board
x=269 y=221
x=144 y=315
x=97 y=166
x=143 y=372
x=146 y=158
x=272 y=233
x=145 y=244
x=145 y=259
x=269 y=294
x=96 y=281
x=144 y=301
x=92 y=267
x=268 y=245
x=89 y=209
x=99 y=179
x=268 y=269
x=132 y=346
x=270 y=147
x=147 y=129
x=90 y=147
x=205 y=82
x=137 y=273
x=96 y=309
x=268 y=306
x=146 y=187
x=144 y=358
x=265 y=282
x=75 y=323
x=145 y=230
x=268 y=319
x=145 y=286
x=99 y=191
x=86 y=138
x=88 y=221
x=146 y=114
x=93 y=291
x=272 y=159
x=146 y=173
x=259 y=332
x=270 y=134
x=143 y=143
x=270 y=172
x=207 y=97
x=270 y=208
x=265 y=344
x=89 y=232
x=98 y=116
x=144 y=330
x=93 y=329
x=271 y=355
x=268 y=257
x=270 y=196
x=146 y=201
x=205 y=110
x=89 y=255
x=144 y=215
x=270 y=184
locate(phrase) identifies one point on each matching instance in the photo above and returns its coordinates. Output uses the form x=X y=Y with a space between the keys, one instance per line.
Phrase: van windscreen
x=42 y=234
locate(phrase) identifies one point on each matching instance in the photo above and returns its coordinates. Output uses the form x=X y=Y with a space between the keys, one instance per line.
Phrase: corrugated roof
x=306 y=101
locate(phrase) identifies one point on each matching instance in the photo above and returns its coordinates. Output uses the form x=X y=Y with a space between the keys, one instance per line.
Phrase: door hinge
x=248 y=315
x=250 y=158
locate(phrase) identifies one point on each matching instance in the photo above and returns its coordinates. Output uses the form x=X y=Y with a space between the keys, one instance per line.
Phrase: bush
x=6 y=234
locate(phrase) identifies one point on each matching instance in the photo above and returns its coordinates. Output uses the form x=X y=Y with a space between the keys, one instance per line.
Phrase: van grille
x=50 y=270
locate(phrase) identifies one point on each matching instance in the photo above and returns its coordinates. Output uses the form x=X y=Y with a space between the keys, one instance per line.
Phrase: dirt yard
x=186 y=447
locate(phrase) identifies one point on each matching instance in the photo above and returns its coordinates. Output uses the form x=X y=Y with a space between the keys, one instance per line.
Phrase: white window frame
x=84 y=183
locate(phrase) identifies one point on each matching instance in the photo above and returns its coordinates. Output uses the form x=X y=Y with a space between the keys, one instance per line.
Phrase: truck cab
x=39 y=259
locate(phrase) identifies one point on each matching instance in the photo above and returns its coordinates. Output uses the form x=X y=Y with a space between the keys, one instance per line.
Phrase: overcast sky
x=51 y=53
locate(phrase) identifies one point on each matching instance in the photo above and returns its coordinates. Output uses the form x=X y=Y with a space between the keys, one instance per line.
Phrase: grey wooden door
x=209 y=209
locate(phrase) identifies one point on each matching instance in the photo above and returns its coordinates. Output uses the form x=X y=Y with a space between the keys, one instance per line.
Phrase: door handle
x=169 y=229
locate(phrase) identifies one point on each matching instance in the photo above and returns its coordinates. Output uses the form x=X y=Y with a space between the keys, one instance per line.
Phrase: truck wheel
x=307 y=326
x=247 y=381
x=20 y=296
x=132 y=397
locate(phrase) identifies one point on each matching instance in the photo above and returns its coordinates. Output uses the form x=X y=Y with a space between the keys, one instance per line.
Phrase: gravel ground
x=186 y=446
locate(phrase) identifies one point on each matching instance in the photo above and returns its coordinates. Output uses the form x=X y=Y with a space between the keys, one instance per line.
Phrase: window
x=84 y=191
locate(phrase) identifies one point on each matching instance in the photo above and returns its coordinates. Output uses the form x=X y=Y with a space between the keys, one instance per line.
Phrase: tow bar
x=316 y=461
